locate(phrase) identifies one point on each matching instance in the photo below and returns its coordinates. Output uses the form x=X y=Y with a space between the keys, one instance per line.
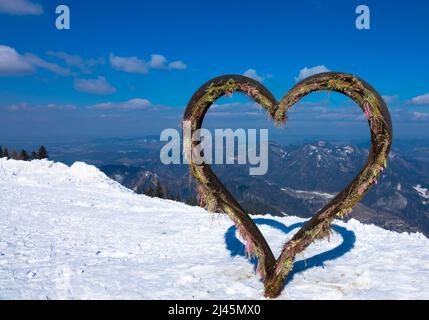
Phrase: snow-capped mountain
x=73 y=233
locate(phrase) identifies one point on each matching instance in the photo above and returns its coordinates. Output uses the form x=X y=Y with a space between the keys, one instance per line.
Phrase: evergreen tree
x=23 y=155
x=192 y=201
x=42 y=153
x=159 y=191
x=167 y=194
x=138 y=190
x=141 y=190
x=34 y=155
x=149 y=192
x=1 y=152
x=14 y=155
x=6 y=153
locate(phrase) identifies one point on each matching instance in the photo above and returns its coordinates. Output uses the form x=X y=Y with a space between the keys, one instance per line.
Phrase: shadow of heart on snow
x=236 y=247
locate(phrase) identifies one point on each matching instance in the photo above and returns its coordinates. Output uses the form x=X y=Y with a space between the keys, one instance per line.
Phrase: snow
x=423 y=192
x=318 y=158
x=321 y=143
x=73 y=233
x=348 y=149
x=325 y=195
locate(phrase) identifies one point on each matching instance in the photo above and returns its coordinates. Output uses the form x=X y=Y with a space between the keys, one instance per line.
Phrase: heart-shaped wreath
x=218 y=199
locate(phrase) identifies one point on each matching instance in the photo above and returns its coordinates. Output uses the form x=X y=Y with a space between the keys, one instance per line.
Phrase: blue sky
x=128 y=67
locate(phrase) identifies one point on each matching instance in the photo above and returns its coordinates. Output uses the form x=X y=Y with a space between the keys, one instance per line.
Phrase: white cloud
x=20 y=7
x=132 y=104
x=157 y=61
x=18 y=107
x=420 y=116
x=43 y=64
x=24 y=106
x=128 y=64
x=251 y=73
x=70 y=60
x=308 y=72
x=96 y=86
x=12 y=63
x=75 y=61
x=177 y=65
x=61 y=107
x=421 y=100
x=136 y=65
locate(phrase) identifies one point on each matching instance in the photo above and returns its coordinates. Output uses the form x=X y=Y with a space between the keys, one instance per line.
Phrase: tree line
x=41 y=153
x=158 y=191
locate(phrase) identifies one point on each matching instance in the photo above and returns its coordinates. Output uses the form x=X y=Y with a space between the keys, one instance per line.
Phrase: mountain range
x=300 y=180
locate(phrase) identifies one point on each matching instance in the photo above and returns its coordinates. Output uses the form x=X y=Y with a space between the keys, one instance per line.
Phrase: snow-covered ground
x=311 y=193
x=423 y=192
x=72 y=233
